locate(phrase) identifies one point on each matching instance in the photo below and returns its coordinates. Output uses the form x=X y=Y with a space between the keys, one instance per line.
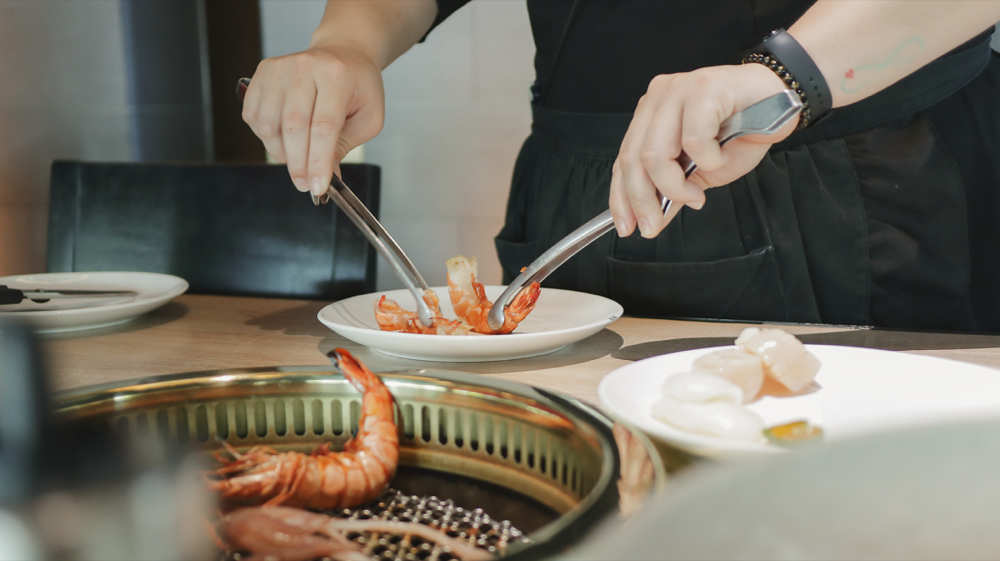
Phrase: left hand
x=683 y=112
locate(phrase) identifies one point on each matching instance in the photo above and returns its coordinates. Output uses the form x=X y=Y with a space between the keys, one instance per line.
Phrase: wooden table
x=195 y=333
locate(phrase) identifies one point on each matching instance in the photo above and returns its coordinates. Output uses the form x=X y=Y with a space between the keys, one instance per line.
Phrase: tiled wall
x=456 y=114
x=62 y=95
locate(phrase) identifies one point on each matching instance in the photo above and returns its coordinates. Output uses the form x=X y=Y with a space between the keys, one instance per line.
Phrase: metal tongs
x=765 y=117
x=43 y=295
x=374 y=231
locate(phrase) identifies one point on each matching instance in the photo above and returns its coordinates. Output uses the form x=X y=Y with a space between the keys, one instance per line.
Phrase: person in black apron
x=885 y=213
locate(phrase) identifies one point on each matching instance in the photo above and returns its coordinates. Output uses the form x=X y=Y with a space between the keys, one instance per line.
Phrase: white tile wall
x=63 y=96
x=456 y=114
x=22 y=237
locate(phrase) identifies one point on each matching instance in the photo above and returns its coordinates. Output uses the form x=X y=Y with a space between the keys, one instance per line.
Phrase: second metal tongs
x=765 y=117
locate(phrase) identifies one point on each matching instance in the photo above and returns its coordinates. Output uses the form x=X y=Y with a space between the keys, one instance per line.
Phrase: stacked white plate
x=152 y=291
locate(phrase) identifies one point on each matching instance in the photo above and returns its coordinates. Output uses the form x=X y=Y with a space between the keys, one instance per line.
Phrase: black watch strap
x=789 y=53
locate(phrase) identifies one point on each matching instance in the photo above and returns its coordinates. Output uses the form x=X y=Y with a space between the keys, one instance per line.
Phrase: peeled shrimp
x=292 y=534
x=469 y=300
x=785 y=358
x=323 y=479
x=736 y=365
x=390 y=316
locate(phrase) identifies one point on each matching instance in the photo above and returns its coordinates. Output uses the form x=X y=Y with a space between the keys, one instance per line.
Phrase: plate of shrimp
x=538 y=320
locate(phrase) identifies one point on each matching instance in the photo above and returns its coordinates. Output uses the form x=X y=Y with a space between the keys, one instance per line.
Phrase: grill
x=533 y=468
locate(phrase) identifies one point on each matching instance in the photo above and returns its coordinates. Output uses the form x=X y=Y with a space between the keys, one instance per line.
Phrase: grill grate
x=475 y=527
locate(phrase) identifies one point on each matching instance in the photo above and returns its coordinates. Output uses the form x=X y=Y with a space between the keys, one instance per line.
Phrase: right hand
x=311 y=108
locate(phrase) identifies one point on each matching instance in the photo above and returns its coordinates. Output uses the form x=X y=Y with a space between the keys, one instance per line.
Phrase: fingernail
x=301 y=184
x=316 y=186
x=644 y=228
x=696 y=205
x=621 y=229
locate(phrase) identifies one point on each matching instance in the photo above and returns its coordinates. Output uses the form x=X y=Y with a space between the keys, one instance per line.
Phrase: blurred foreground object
x=78 y=492
x=932 y=493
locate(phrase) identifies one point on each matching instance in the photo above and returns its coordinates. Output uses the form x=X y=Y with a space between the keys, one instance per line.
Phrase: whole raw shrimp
x=323 y=479
x=390 y=316
x=469 y=300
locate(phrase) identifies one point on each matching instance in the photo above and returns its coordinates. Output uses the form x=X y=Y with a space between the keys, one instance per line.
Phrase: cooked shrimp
x=323 y=479
x=390 y=316
x=270 y=533
x=469 y=300
x=291 y=534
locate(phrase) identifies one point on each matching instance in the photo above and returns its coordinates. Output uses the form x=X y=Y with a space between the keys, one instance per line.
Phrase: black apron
x=862 y=219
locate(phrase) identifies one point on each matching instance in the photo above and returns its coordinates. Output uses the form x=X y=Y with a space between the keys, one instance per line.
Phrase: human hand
x=311 y=108
x=684 y=112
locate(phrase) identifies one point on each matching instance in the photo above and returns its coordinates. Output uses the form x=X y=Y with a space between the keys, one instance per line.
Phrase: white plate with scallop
x=560 y=318
x=861 y=391
x=153 y=290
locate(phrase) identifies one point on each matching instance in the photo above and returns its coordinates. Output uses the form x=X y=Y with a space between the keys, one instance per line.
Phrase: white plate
x=560 y=317
x=154 y=290
x=862 y=391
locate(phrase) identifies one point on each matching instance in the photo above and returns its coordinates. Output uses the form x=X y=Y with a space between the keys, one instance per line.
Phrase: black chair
x=239 y=229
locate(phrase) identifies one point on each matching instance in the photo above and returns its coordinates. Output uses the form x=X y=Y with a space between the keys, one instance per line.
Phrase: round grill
x=529 y=445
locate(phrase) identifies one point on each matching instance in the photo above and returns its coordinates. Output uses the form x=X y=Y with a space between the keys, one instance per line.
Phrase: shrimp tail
x=524 y=302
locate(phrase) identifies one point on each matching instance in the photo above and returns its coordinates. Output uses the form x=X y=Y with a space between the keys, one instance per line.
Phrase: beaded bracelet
x=805 y=116
x=785 y=57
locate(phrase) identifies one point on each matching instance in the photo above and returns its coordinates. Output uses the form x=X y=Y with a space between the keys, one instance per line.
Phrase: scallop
x=700 y=387
x=736 y=365
x=713 y=418
x=785 y=358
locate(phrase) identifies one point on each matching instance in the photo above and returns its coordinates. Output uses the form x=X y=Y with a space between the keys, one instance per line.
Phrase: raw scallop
x=700 y=387
x=715 y=418
x=736 y=365
x=707 y=404
x=785 y=358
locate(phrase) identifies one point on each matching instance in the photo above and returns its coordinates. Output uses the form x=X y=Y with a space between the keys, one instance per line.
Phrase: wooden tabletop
x=195 y=333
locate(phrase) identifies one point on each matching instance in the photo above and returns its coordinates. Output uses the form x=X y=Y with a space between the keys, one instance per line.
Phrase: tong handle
x=384 y=244
x=764 y=117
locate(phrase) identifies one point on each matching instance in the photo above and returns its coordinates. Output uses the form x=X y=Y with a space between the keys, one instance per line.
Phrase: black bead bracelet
x=785 y=57
x=805 y=116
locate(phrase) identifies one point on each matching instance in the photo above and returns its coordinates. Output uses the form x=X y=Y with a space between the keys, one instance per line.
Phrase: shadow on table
x=903 y=340
x=172 y=311
x=600 y=344
x=888 y=340
x=300 y=320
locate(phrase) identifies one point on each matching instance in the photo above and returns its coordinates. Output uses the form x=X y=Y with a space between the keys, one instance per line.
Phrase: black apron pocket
x=514 y=255
x=746 y=287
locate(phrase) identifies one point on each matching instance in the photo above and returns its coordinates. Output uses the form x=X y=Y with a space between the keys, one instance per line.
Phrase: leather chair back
x=231 y=229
